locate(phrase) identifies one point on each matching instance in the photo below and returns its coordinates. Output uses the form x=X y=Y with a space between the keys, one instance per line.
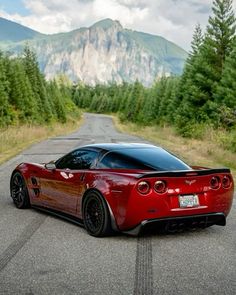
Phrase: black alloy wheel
x=96 y=215
x=19 y=191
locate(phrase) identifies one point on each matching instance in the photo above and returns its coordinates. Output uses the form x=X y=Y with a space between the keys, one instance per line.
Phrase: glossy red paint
x=64 y=190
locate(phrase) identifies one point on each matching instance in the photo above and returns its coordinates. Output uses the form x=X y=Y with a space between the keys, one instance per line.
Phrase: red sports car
x=125 y=187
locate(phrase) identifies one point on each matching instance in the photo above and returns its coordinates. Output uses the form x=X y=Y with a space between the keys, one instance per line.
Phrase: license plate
x=188 y=201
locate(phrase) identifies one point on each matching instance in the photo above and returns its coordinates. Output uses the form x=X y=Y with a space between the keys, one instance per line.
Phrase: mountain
x=105 y=52
x=13 y=32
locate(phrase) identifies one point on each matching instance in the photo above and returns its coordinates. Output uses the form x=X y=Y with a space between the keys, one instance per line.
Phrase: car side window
x=79 y=159
x=115 y=160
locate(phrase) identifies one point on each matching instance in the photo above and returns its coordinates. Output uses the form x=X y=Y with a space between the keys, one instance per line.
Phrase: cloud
x=172 y=19
x=124 y=11
x=176 y=19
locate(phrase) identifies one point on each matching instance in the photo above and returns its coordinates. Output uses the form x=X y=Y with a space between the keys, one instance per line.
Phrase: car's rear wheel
x=19 y=191
x=96 y=215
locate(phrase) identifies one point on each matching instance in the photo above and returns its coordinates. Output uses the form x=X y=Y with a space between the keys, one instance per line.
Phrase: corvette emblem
x=190 y=182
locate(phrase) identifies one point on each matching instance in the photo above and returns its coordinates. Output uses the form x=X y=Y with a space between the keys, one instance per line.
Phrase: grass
x=207 y=152
x=15 y=139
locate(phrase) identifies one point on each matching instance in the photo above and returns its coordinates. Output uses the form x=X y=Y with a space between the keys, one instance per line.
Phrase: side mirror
x=50 y=166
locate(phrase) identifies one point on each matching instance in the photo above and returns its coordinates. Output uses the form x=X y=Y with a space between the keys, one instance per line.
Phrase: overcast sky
x=173 y=19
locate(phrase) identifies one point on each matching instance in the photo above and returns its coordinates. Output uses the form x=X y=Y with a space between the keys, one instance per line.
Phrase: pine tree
x=190 y=69
x=143 y=109
x=165 y=100
x=204 y=70
x=87 y=94
x=94 y=103
x=173 y=102
x=133 y=102
x=148 y=113
x=126 y=90
x=196 y=44
x=65 y=87
x=226 y=91
x=217 y=44
x=20 y=93
x=38 y=84
x=188 y=98
x=103 y=104
x=160 y=89
x=57 y=99
x=6 y=115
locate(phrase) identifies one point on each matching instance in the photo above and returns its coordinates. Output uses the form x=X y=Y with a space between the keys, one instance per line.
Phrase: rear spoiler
x=184 y=173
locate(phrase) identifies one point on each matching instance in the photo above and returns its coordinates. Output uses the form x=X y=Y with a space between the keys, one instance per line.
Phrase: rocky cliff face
x=106 y=52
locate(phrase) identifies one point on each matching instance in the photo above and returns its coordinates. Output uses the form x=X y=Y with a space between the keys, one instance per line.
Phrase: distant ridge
x=11 y=31
x=106 y=24
x=102 y=53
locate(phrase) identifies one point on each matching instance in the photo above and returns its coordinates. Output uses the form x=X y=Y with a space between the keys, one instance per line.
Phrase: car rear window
x=116 y=160
x=144 y=159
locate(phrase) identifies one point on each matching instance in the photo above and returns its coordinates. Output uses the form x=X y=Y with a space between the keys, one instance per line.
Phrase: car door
x=62 y=188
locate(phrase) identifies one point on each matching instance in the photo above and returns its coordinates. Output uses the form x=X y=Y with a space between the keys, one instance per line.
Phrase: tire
x=96 y=215
x=19 y=191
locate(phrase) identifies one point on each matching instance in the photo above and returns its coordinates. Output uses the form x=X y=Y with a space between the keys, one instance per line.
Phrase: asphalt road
x=42 y=254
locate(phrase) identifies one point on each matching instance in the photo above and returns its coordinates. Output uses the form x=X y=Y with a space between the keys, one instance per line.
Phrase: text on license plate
x=188 y=201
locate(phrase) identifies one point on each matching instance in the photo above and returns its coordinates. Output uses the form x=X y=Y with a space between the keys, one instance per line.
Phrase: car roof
x=119 y=146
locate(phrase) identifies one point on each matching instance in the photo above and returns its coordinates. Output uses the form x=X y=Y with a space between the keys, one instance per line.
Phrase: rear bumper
x=175 y=224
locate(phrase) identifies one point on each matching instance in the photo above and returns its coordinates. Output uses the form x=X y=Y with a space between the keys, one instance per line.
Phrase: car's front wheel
x=96 y=215
x=19 y=191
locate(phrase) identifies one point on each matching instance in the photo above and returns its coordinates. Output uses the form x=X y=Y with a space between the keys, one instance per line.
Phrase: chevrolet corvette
x=125 y=187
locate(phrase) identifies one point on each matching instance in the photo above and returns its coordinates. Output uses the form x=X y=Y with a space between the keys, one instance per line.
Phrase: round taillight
x=143 y=187
x=215 y=182
x=160 y=186
x=226 y=181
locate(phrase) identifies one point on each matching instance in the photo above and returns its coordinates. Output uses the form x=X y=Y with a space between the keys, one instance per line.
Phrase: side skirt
x=65 y=216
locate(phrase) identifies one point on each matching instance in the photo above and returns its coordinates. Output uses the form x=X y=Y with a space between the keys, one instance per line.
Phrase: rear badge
x=190 y=182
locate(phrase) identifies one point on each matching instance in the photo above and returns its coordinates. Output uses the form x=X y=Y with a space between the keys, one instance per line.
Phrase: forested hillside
x=25 y=95
x=203 y=97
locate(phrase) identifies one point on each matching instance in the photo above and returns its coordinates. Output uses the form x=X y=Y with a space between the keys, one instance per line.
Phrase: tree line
x=25 y=95
x=205 y=94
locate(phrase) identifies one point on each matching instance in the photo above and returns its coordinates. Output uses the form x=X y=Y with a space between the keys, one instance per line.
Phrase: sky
x=172 y=19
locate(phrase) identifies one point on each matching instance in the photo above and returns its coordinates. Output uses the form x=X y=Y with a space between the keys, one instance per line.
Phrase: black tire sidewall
x=26 y=201
x=105 y=228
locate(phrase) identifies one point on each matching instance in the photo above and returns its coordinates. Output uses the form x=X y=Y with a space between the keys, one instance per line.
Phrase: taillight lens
x=143 y=187
x=226 y=181
x=215 y=182
x=160 y=186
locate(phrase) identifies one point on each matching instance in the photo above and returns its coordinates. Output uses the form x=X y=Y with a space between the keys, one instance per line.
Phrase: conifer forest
x=203 y=97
